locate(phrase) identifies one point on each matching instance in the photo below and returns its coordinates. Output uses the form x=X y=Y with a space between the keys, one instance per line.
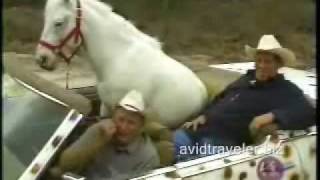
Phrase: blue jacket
x=230 y=113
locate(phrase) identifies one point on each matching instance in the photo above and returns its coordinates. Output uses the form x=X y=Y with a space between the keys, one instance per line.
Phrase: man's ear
x=279 y=61
x=280 y=64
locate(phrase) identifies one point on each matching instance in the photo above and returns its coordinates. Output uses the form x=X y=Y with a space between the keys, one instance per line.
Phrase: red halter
x=76 y=33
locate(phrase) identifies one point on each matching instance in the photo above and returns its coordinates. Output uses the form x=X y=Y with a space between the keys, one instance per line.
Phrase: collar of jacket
x=131 y=147
x=254 y=83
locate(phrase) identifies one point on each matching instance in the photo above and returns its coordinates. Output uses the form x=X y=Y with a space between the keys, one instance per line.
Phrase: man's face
x=266 y=66
x=128 y=125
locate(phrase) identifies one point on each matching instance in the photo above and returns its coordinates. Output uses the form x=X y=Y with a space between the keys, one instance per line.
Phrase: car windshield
x=29 y=120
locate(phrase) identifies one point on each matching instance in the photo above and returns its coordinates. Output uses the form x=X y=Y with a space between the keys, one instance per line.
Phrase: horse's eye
x=58 y=24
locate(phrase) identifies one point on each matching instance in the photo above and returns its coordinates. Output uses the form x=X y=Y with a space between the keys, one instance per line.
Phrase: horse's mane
x=103 y=8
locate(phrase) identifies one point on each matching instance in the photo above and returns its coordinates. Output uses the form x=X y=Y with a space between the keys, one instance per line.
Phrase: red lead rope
x=76 y=33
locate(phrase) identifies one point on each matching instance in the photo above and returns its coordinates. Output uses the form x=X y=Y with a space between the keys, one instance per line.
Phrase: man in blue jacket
x=260 y=97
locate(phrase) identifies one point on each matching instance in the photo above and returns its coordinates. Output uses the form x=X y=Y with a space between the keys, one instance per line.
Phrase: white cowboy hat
x=133 y=101
x=269 y=43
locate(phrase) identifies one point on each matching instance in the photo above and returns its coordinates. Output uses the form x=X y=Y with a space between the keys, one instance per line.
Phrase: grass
x=215 y=28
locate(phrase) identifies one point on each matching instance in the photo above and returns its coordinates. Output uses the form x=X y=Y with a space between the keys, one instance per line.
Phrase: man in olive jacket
x=116 y=148
x=258 y=98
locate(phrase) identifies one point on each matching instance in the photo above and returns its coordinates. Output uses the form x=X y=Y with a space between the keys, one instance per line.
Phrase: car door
x=34 y=127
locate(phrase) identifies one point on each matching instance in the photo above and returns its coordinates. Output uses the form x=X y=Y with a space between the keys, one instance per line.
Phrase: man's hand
x=195 y=123
x=108 y=127
x=260 y=121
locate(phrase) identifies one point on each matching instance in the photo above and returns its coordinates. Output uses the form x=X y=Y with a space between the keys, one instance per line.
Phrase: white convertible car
x=38 y=123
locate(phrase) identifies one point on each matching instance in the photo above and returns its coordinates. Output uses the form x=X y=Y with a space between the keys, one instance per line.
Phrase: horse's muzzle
x=43 y=62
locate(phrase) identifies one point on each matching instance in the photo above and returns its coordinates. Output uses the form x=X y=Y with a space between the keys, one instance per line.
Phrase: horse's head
x=61 y=33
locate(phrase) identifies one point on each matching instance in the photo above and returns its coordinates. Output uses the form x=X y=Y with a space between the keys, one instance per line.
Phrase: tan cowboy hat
x=269 y=43
x=133 y=101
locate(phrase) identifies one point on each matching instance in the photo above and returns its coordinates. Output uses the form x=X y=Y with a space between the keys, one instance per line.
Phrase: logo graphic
x=270 y=168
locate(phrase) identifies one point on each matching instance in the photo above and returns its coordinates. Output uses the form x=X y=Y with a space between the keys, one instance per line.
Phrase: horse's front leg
x=110 y=97
x=105 y=111
x=106 y=104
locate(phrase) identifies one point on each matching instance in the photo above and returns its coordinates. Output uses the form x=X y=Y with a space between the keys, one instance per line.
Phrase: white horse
x=123 y=58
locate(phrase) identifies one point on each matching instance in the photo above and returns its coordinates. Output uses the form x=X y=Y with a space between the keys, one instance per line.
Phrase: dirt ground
x=194 y=32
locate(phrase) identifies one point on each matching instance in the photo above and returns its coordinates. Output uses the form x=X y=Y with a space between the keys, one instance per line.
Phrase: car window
x=29 y=120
